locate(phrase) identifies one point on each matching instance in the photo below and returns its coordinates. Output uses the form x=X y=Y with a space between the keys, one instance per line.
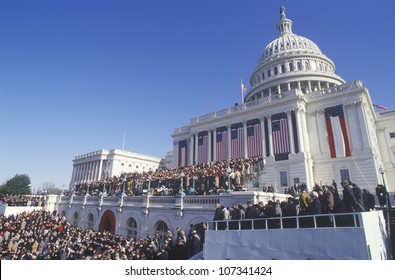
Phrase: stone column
x=229 y=140
x=78 y=175
x=196 y=148
x=245 y=148
x=263 y=135
x=291 y=133
x=215 y=145
x=100 y=169
x=269 y=131
x=191 y=158
x=74 y=173
x=209 y=135
x=300 y=132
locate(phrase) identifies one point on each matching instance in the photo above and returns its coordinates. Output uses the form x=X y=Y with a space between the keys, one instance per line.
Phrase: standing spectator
x=348 y=197
x=328 y=201
x=314 y=207
x=218 y=216
x=368 y=200
x=358 y=197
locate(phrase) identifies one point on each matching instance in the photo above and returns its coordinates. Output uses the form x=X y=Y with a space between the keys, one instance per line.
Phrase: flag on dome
x=380 y=107
x=243 y=88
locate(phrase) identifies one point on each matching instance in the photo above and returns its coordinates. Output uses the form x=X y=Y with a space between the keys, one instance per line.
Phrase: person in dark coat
x=359 y=206
x=250 y=211
x=314 y=207
x=368 y=200
x=219 y=216
x=328 y=200
x=348 y=197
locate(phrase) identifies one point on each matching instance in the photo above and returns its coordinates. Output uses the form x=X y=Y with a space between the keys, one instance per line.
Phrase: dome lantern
x=284 y=25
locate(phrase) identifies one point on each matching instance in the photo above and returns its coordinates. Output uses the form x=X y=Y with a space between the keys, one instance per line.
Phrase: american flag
x=202 y=147
x=237 y=141
x=280 y=134
x=221 y=144
x=254 y=139
x=243 y=88
x=339 y=145
x=182 y=153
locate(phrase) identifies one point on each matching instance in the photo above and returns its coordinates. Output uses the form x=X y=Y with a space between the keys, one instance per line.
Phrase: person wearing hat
x=314 y=207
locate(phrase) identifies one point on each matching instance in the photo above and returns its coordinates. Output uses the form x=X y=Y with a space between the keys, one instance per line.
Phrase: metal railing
x=305 y=221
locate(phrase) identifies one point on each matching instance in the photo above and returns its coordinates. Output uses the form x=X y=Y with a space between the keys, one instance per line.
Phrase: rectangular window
x=344 y=174
x=283 y=178
x=392 y=134
x=275 y=71
x=291 y=67
x=283 y=68
x=269 y=73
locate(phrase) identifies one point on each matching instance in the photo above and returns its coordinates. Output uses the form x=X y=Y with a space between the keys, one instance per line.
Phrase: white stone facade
x=331 y=131
x=101 y=164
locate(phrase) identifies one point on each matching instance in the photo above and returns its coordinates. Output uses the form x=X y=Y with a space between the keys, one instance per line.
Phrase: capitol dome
x=291 y=61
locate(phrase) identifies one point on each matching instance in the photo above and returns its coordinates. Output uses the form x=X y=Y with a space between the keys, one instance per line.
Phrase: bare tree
x=50 y=188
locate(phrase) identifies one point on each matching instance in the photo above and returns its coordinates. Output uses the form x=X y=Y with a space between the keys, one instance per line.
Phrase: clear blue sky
x=75 y=75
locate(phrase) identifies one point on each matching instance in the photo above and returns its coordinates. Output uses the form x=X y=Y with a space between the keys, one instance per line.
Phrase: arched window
x=299 y=66
x=91 y=221
x=75 y=219
x=131 y=228
x=306 y=65
x=161 y=229
x=291 y=67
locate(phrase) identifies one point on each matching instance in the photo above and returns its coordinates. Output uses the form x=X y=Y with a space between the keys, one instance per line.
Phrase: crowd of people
x=202 y=179
x=324 y=199
x=23 y=200
x=41 y=235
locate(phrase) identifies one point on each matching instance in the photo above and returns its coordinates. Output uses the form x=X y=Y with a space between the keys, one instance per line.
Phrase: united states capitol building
x=306 y=122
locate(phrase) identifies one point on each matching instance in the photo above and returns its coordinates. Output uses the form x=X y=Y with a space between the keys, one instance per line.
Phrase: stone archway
x=107 y=222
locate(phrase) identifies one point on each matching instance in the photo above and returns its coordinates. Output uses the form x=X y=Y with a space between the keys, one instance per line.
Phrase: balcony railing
x=306 y=221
